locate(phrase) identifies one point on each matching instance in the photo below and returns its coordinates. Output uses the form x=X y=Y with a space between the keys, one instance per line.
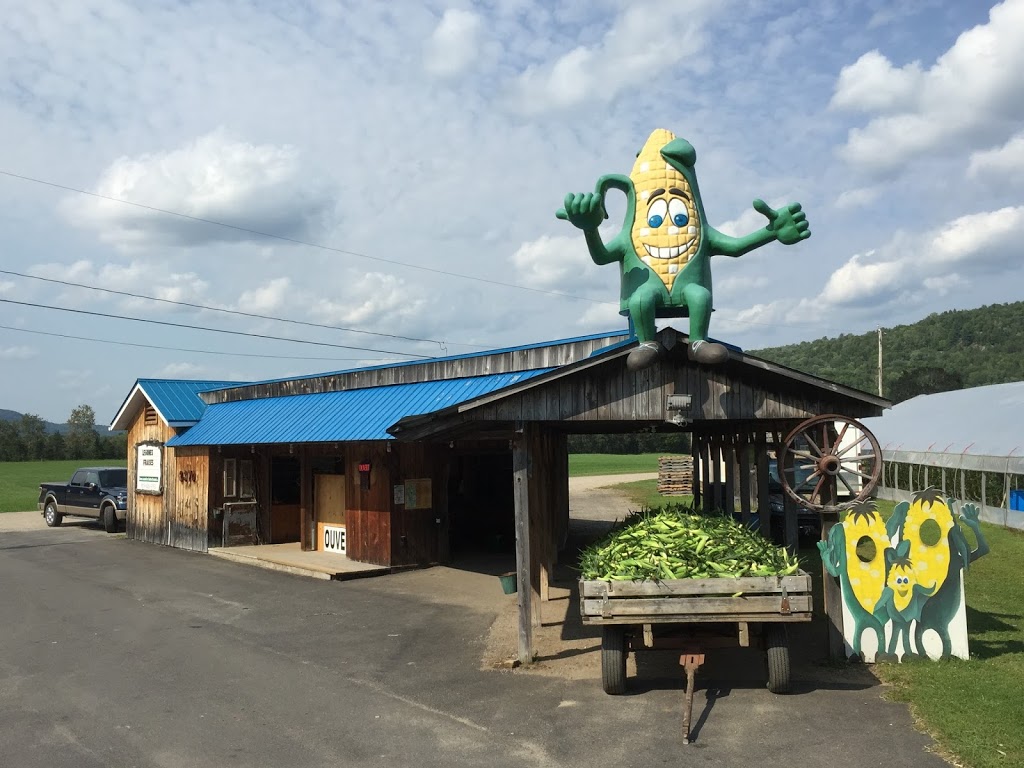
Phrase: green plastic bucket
x=508 y=583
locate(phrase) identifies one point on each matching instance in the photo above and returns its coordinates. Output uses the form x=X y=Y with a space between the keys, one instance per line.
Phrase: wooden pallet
x=675 y=475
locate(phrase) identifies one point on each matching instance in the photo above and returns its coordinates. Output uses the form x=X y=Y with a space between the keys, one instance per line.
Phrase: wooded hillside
x=945 y=351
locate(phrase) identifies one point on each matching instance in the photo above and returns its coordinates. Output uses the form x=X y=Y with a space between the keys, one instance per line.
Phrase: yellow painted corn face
x=929 y=542
x=666 y=228
x=866 y=562
x=901 y=581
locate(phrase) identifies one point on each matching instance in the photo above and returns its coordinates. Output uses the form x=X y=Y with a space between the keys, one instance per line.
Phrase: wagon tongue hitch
x=690 y=661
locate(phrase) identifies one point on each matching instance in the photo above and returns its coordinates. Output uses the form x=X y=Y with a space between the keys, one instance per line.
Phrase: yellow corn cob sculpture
x=665 y=249
x=867 y=577
x=930 y=557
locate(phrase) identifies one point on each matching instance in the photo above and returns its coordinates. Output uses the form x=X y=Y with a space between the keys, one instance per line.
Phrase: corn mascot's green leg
x=665 y=245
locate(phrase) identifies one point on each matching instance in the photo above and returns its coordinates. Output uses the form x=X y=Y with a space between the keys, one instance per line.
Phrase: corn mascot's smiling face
x=666 y=230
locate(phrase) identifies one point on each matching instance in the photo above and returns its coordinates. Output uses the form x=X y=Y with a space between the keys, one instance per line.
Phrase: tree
x=82 y=442
x=11 y=448
x=926 y=380
x=55 y=448
x=32 y=431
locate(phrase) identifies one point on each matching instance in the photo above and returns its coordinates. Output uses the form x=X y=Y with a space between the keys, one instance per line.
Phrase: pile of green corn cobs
x=674 y=542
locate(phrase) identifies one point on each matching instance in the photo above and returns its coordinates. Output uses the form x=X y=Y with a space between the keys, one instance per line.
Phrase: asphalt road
x=117 y=653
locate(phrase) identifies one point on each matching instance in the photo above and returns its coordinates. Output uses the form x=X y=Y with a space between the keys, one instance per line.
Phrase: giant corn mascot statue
x=666 y=244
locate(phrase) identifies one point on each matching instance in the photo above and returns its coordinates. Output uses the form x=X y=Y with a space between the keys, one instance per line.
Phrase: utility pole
x=880 y=361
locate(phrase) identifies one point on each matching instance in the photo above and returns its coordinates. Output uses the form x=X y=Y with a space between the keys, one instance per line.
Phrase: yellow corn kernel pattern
x=650 y=173
x=930 y=563
x=867 y=579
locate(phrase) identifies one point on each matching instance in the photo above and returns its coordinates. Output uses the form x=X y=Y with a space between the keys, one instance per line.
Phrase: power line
x=211 y=330
x=173 y=349
x=297 y=241
x=231 y=311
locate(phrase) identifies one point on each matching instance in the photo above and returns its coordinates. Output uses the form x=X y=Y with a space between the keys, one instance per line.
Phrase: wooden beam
x=832 y=591
x=521 y=492
x=764 y=512
x=743 y=449
x=729 y=460
x=696 y=451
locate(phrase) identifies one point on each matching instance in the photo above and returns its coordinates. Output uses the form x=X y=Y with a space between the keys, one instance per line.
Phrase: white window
x=245 y=479
x=230 y=478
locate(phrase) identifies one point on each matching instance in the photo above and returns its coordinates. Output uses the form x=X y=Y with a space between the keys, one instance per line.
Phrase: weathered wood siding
x=188 y=498
x=146 y=520
x=368 y=510
x=177 y=517
x=505 y=362
x=415 y=533
x=612 y=393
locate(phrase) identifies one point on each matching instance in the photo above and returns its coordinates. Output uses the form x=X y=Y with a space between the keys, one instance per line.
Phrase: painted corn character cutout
x=905 y=578
x=665 y=245
x=854 y=552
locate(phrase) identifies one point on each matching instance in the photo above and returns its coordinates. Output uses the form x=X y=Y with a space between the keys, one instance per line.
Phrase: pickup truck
x=97 y=492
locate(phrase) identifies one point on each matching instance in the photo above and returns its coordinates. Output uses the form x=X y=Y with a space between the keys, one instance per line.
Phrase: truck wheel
x=777 y=651
x=109 y=519
x=52 y=517
x=613 y=660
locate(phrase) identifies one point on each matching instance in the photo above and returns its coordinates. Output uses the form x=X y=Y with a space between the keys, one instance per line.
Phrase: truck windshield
x=114 y=478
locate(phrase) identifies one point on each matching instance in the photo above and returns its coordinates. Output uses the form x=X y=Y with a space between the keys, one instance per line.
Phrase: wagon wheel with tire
x=829 y=449
x=52 y=517
x=777 y=653
x=613 y=660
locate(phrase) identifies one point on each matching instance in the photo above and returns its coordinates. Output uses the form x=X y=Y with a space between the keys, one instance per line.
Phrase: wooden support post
x=307 y=526
x=832 y=591
x=764 y=511
x=729 y=460
x=743 y=449
x=714 y=499
x=705 y=473
x=697 y=452
x=521 y=492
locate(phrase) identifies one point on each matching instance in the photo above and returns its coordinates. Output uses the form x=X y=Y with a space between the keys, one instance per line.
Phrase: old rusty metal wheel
x=813 y=457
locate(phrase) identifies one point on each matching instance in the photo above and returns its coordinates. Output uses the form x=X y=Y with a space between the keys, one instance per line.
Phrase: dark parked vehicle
x=97 y=492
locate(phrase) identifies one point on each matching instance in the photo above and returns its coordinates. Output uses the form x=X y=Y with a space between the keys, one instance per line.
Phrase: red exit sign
x=364 y=467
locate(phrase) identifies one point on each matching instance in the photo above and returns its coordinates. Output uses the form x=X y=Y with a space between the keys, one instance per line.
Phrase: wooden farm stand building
x=416 y=461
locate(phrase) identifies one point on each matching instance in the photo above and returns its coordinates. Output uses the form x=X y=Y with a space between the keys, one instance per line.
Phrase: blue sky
x=444 y=135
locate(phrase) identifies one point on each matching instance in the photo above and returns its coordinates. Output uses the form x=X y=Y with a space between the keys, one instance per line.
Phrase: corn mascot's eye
x=656 y=214
x=677 y=212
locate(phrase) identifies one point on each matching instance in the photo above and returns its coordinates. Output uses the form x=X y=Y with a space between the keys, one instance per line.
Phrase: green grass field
x=19 y=480
x=581 y=464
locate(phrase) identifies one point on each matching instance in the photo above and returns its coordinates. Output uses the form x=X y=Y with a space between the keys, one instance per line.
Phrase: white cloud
x=860 y=282
x=182 y=371
x=266 y=298
x=873 y=84
x=639 y=45
x=6 y=286
x=601 y=317
x=857 y=198
x=971 y=95
x=146 y=278
x=559 y=263
x=747 y=222
x=215 y=177
x=454 y=43
x=18 y=353
x=1003 y=163
x=979 y=242
x=374 y=300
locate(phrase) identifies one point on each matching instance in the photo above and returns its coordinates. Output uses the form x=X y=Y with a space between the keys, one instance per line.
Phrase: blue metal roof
x=178 y=401
x=328 y=417
x=484 y=353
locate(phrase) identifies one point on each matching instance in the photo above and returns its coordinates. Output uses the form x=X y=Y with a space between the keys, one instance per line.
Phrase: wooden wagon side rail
x=749 y=599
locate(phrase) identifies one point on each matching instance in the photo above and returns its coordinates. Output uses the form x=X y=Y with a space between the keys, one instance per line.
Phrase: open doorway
x=285 y=499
